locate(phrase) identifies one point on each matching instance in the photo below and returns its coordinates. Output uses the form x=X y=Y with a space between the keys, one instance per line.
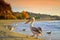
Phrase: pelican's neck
x=31 y=24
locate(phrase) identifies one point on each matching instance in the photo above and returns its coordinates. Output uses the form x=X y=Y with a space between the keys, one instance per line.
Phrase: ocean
x=47 y=26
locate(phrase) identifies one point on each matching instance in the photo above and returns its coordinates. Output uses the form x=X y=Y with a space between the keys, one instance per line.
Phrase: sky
x=50 y=7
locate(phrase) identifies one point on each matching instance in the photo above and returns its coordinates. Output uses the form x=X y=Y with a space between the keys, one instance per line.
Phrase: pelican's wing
x=40 y=29
x=36 y=30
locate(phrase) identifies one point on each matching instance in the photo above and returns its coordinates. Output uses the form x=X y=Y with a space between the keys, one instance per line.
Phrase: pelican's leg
x=36 y=35
x=33 y=35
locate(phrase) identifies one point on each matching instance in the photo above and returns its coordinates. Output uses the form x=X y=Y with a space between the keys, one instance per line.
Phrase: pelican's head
x=31 y=20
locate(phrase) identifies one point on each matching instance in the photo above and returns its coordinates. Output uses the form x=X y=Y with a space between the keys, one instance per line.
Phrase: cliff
x=5 y=11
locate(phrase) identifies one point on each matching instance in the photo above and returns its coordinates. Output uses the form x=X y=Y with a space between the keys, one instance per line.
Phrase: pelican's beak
x=28 y=21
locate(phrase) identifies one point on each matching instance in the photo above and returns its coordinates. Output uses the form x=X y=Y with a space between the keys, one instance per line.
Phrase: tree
x=25 y=14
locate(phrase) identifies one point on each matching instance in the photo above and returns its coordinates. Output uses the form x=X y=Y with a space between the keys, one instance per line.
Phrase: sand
x=6 y=34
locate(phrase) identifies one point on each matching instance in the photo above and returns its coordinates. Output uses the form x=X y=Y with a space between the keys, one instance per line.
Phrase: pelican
x=36 y=31
x=9 y=27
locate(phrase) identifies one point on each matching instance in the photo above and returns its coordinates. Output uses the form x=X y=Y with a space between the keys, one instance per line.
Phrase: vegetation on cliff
x=25 y=14
x=5 y=11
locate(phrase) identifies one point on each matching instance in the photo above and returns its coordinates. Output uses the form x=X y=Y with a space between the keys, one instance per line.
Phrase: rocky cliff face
x=5 y=11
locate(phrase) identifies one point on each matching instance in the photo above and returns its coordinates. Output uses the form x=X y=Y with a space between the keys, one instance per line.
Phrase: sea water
x=52 y=26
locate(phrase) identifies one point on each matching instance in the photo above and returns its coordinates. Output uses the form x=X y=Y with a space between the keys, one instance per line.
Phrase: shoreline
x=15 y=21
x=15 y=34
x=6 y=33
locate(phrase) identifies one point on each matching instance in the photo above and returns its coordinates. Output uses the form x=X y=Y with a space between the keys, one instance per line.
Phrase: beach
x=6 y=34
